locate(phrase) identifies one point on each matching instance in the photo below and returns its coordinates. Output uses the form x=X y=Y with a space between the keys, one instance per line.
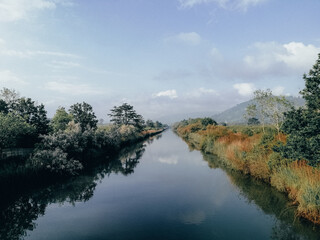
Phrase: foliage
x=311 y=92
x=83 y=114
x=14 y=130
x=150 y=124
x=128 y=133
x=3 y=106
x=55 y=161
x=32 y=114
x=60 y=120
x=208 y=121
x=154 y=125
x=248 y=131
x=10 y=96
x=126 y=115
x=303 y=125
x=269 y=108
x=57 y=151
x=251 y=152
x=253 y=121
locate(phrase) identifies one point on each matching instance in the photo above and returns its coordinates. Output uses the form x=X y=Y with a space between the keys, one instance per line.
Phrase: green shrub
x=55 y=161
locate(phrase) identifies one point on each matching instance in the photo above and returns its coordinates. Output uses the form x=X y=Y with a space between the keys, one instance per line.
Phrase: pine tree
x=303 y=125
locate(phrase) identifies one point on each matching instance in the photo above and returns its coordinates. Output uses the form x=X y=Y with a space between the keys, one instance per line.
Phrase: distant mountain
x=235 y=114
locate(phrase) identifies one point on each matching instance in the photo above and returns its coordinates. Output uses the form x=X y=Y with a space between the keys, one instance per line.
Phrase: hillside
x=235 y=114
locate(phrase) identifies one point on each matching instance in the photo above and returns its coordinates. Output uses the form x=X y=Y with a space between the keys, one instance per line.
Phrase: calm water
x=156 y=190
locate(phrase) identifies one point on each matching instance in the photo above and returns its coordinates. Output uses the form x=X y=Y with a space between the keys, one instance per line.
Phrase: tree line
x=63 y=144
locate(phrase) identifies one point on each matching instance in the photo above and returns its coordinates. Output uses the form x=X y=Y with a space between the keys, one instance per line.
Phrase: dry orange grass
x=242 y=152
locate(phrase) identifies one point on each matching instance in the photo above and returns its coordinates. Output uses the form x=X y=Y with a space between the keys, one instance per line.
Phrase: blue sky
x=165 y=57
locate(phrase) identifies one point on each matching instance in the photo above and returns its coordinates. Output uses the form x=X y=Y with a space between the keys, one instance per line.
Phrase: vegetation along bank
x=68 y=143
x=281 y=145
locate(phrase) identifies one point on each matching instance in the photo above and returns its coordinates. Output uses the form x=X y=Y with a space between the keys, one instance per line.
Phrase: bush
x=247 y=131
x=55 y=161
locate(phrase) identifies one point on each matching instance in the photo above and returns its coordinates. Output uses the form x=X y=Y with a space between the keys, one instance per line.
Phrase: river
x=159 y=189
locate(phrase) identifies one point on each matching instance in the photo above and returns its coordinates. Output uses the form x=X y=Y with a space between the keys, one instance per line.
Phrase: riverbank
x=252 y=152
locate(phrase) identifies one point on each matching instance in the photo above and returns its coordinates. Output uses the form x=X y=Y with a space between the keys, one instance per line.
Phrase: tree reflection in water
x=19 y=213
x=272 y=202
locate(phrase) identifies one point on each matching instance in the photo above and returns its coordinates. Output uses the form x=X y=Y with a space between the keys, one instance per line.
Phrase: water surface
x=159 y=190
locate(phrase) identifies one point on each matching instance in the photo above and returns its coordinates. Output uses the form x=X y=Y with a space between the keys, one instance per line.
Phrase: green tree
x=10 y=96
x=208 y=121
x=83 y=114
x=253 y=121
x=60 y=120
x=32 y=114
x=303 y=125
x=3 y=106
x=311 y=92
x=14 y=131
x=149 y=123
x=126 y=115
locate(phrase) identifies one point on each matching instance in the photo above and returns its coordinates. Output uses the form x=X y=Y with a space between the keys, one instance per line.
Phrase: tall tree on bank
x=33 y=114
x=10 y=96
x=15 y=132
x=60 y=120
x=303 y=125
x=83 y=114
x=126 y=115
x=268 y=108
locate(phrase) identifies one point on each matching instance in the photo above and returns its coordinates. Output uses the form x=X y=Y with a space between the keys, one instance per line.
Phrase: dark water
x=155 y=190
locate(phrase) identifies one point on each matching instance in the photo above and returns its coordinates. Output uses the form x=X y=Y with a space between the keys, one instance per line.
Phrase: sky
x=164 y=57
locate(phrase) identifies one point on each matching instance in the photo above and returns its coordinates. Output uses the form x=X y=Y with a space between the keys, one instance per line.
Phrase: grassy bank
x=253 y=152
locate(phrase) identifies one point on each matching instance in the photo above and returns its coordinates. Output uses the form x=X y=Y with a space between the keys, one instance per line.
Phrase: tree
x=253 y=121
x=10 y=96
x=3 y=106
x=32 y=114
x=14 y=130
x=126 y=115
x=302 y=125
x=261 y=98
x=60 y=120
x=270 y=108
x=83 y=114
x=311 y=93
x=208 y=121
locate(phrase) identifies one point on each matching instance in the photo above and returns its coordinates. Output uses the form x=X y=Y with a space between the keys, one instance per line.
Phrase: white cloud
x=71 y=88
x=12 y=10
x=279 y=90
x=264 y=60
x=169 y=93
x=272 y=57
x=192 y=3
x=244 y=89
x=201 y=92
x=173 y=160
x=298 y=55
x=190 y=38
x=9 y=79
x=63 y=64
x=6 y=51
x=245 y=4
x=52 y=53
x=227 y=4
